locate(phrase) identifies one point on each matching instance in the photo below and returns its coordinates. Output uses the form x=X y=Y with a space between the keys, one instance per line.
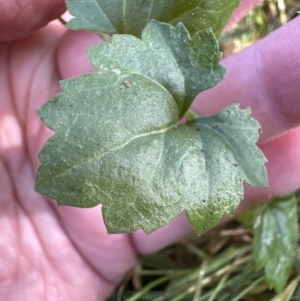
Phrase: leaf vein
x=150 y=11
x=112 y=150
x=226 y=142
x=101 y=10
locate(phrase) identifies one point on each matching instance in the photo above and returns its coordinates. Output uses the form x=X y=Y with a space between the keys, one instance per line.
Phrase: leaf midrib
x=115 y=149
x=101 y=10
x=240 y=163
x=201 y=9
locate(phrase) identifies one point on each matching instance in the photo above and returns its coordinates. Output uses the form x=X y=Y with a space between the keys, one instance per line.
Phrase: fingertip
x=72 y=58
x=283 y=167
x=161 y=238
x=18 y=19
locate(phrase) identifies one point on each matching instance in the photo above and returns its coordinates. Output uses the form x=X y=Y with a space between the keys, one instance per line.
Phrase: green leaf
x=230 y=158
x=118 y=141
x=132 y=16
x=167 y=56
x=275 y=238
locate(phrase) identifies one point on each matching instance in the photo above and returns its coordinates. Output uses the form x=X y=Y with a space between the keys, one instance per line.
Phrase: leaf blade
x=118 y=141
x=132 y=16
x=224 y=154
x=275 y=238
x=183 y=65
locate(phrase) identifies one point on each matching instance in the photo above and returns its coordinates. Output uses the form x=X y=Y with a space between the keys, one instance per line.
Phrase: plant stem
x=156 y=283
x=199 y=283
x=219 y=287
x=62 y=21
x=248 y=289
x=105 y=37
x=198 y=252
x=190 y=115
x=227 y=256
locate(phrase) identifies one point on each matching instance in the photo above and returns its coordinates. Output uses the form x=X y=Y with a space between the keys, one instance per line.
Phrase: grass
x=217 y=266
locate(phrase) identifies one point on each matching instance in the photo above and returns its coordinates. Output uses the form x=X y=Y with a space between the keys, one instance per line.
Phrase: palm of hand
x=47 y=252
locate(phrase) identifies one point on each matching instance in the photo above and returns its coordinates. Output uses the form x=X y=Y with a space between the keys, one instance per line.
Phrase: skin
x=51 y=253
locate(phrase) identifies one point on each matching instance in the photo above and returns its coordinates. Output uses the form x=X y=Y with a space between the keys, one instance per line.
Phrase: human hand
x=50 y=253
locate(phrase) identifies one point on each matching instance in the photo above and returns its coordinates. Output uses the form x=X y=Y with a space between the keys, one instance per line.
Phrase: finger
x=20 y=18
x=244 y=7
x=72 y=59
x=264 y=77
x=283 y=167
x=284 y=176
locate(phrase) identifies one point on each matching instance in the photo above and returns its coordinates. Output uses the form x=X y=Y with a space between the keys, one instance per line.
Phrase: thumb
x=19 y=18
